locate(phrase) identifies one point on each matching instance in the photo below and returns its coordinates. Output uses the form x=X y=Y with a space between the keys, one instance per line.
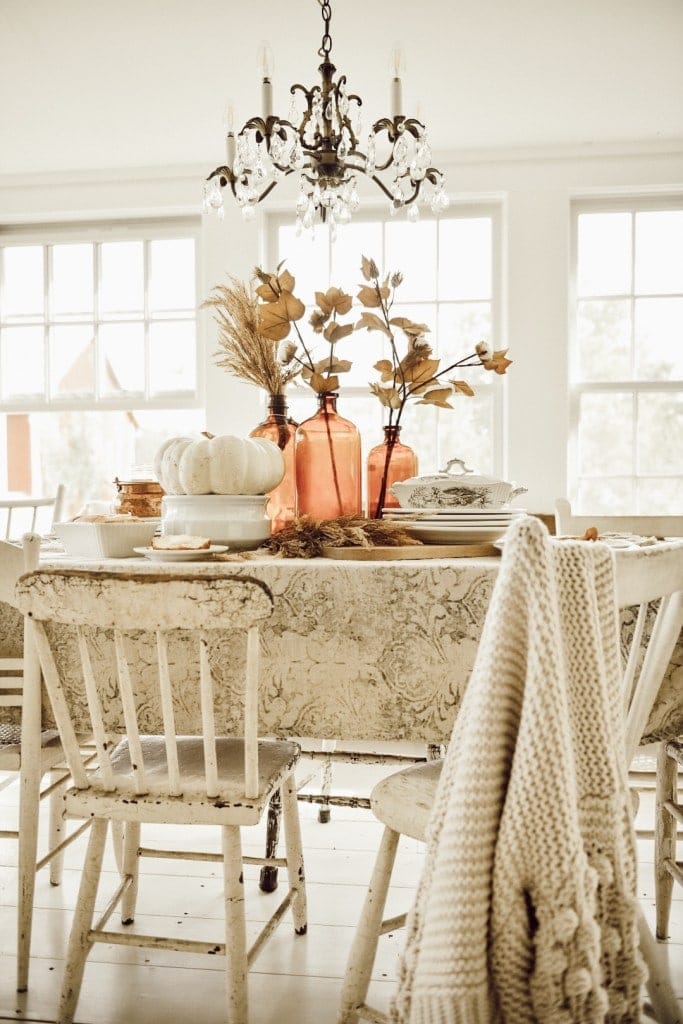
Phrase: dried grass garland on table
x=306 y=537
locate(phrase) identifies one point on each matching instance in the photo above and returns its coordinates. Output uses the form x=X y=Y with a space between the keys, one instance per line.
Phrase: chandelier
x=319 y=141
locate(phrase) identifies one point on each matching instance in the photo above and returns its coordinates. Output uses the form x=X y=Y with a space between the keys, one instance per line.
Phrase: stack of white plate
x=454 y=525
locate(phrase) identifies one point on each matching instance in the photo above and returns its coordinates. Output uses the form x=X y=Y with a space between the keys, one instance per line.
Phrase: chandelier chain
x=326 y=44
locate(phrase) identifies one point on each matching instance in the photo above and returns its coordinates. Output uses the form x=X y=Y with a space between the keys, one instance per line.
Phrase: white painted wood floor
x=295 y=980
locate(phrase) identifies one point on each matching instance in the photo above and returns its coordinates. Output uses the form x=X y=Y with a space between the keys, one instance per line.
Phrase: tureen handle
x=456 y=462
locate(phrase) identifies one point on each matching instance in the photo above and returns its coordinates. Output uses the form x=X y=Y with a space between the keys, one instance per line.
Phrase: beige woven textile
x=526 y=910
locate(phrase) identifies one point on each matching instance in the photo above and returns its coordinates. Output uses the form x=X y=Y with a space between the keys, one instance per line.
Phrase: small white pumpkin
x=219 y=465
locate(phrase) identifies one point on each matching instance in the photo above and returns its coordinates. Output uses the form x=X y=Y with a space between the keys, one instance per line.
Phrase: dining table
x=359 y=650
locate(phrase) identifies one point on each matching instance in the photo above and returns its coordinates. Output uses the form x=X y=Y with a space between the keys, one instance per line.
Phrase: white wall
x=115 y=110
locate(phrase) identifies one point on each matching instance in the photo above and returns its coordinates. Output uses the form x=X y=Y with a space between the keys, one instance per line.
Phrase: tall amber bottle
x=279 y=428
x=328 y=463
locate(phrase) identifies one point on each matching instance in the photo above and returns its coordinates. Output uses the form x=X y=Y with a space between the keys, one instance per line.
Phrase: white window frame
x=633 y=204
x=463 y=209
x=94 y=232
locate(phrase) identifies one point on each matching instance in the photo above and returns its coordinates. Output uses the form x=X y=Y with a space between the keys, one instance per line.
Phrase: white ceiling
x=89 y=84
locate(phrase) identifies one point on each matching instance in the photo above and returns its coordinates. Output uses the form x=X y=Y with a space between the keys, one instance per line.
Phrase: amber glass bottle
x=279 y=428
x=328 y=463
x=387 y=463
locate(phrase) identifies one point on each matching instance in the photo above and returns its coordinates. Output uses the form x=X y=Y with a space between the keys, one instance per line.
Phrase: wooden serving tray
x=389 y=554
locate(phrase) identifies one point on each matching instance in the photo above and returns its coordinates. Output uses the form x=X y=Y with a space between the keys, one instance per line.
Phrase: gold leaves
x=369 y=269
x=463 y=387
x=373 y=323
x=421 y=374
x=272 y=285
x=386 y=368
x=409 y=326
x=334 y=300
x=372 y=297
x=389 y=397
x=275 y=317
x=438 y=396
x=497 y=362
x=320 y=383
x=334 y=332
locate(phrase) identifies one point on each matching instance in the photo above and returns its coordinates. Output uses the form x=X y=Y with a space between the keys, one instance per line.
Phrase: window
x=626 y=401
x=99 y=358
x=450 y=269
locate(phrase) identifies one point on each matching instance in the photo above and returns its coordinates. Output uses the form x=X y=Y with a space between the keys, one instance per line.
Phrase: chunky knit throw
x=526 y=909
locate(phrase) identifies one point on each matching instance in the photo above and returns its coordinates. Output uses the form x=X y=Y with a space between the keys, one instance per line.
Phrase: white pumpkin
x=219 y=465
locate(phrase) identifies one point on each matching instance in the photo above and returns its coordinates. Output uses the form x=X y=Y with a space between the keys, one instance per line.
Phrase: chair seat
x=276 y=759
x=10 y=748
x=404 y=800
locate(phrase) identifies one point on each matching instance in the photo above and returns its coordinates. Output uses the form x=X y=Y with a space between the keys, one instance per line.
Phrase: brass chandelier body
x=321 y=144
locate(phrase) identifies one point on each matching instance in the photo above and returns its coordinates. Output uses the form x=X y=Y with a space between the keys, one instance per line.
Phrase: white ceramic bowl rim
x=215 y=499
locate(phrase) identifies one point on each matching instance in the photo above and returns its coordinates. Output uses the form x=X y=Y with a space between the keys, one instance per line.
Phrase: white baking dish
x=105 y=540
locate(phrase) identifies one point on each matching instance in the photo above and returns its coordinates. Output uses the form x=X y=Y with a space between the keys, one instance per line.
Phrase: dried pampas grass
x=244 y=351
x=306 y=537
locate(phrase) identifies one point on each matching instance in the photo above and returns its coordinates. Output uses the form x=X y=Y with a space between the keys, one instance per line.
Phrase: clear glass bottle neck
x=327 y=401
x=277 y=405
x=391 y=433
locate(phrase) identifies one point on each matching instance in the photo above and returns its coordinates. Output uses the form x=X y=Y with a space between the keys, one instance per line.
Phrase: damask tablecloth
x=353 y=651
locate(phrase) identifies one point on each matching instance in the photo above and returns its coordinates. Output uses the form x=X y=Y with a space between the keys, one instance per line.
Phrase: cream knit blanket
x=526 y=908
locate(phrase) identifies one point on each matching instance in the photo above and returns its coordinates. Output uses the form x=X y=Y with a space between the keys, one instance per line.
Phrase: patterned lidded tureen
x=449 y=489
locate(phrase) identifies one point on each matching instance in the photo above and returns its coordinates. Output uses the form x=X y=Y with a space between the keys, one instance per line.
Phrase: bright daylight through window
x=98 y=352
x=450 y=282
x=627 y=359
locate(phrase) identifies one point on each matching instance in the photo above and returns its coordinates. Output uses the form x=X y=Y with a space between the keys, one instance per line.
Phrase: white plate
x=460 y=513
x=435 y=533
x=199 y=555
x=452 y=520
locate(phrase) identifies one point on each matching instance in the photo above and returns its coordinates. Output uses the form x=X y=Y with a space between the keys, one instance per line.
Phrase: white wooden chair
x=198 y=778
x=35 y=515
x=569 y=524
x=668 y=814
x=403 y=801
x=31 y=751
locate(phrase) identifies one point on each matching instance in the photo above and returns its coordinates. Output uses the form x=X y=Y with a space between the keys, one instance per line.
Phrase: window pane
x=605 y=434
x=607 y=496
x=604 y=339
x=604 y=254
x=461 y=326
x=364 y=349
x=23 y=282
x=122 y=347
x=467 y=432
x=172 y=357
x=465 y=258
x=354 y=241
x=411 y=248
x=86 y=450
x=22 y=361
x=121 y=277
x=72 y=360
x=659 y=251
x=659 y=339
x=72 y=280
x=660 y=434
x=172 y=275
x=659 y=496
x=307 y=259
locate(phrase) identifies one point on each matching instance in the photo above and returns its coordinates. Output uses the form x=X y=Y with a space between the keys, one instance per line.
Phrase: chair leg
x=56 y=830
x=665 y=838
x=364 y=947
x=324 y=810
x=236 y=967
x=130 y=866
x=268 y=878
x=665 y=1006
x=295 y=856
x=29 y=802
x=79 y=945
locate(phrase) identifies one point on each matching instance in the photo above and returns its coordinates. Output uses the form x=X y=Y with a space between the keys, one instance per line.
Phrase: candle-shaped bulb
x=265 y=64
x=229 y=116
x=229 y=122
x=396 y=68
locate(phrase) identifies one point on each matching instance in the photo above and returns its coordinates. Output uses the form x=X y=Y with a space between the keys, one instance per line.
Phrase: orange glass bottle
x=387 y=463
x=328 y=463
x=279 y=428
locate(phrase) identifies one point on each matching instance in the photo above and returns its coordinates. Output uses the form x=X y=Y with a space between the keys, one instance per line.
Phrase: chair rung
x=366 y=1012
x=675 y=869
x=675 y=810
x=212 y=858
x=358 y=757
x=334 y=801
x=51 y=854
x=392 y=924
x=9 y=834
x=13 y=698
x=268 y=929
x=156 y=942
